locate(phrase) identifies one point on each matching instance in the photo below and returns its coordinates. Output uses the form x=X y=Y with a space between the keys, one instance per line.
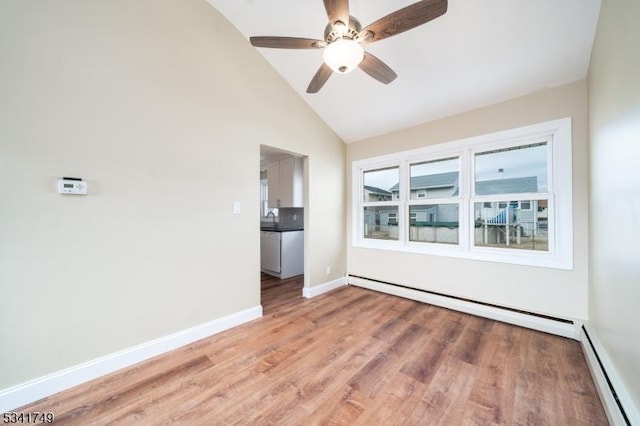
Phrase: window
x=393 y=218
x=264 y=200
x=503 y=197
x=434 y=200
x=519 y=172
x=380 y=213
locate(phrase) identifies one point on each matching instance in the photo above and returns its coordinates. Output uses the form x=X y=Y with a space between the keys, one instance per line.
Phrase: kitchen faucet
x=273 y=216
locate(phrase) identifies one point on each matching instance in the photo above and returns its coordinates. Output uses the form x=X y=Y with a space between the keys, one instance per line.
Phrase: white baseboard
x=309 y=292
x=601 y=368
x=50 y=384
x=570 y=330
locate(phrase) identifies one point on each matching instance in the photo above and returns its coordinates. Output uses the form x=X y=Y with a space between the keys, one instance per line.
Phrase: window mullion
x=402 y=212
x=511 y=197
x=466 y=191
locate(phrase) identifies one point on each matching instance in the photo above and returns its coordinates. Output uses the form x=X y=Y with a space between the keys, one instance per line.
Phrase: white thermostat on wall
x=72 y=186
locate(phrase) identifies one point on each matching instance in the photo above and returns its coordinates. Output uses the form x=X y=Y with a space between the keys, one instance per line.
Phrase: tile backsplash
x=291 y=217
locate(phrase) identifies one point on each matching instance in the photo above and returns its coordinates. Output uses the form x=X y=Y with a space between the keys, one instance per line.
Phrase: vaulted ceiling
x=478 y=53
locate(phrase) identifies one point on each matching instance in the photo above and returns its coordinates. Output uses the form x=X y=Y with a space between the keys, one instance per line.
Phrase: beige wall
x=614 y=228
x=161 y=106
x=548 y=291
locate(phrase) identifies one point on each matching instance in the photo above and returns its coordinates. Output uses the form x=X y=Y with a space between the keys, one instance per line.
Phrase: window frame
x=264 y=201
x=509 y=198
x=556 y=133
x=432 y=158
x=392 y=202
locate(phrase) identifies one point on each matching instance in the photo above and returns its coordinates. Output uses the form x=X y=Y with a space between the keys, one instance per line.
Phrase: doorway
x=282 y=213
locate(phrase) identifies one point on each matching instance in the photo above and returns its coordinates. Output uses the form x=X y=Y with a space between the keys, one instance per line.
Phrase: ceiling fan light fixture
x=343 y=55
x=344 y=37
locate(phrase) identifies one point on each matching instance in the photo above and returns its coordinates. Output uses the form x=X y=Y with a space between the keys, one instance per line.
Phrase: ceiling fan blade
x=377 y=69
x=403 y=19
x=337 y=10
x=287 y=42
x=319 y=79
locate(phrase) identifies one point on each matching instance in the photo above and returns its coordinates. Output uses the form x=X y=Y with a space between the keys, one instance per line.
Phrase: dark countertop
x=276 y=228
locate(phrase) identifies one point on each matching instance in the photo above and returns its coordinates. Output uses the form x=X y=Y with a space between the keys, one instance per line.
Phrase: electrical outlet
x=328 y=270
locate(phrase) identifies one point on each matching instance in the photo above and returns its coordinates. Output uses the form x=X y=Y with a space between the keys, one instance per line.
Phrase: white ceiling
x=478 y=53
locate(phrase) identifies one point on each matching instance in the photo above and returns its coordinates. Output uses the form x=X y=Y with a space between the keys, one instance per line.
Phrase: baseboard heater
x=613 y=395
x=559 y=326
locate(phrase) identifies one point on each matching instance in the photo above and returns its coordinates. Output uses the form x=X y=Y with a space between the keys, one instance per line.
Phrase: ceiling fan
x=344 y=37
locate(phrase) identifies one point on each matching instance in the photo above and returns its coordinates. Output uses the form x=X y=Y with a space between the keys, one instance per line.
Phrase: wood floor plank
x=443 y=402
x=317 y=382
x=469 y=346
x=577 y=382
x=423 y=363
x=536 y=388
x=129 y=400
x=494 y=386
x=398 y=398
x=350 y=406
x=324 y=386
x=350 y=356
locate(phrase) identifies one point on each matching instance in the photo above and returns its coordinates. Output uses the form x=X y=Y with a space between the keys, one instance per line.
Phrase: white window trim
x=560 y=181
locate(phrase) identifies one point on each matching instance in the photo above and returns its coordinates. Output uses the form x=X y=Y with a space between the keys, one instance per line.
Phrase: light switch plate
x=237 y=207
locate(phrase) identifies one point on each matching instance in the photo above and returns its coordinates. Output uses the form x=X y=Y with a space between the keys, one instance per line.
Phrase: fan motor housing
x=352 y=31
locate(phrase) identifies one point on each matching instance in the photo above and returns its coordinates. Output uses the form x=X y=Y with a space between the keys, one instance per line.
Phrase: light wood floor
x=352 y=356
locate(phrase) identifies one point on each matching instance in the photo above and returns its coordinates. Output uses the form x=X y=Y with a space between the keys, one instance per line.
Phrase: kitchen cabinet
x=291 y=254
x=285 y=183
x=273 y=185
